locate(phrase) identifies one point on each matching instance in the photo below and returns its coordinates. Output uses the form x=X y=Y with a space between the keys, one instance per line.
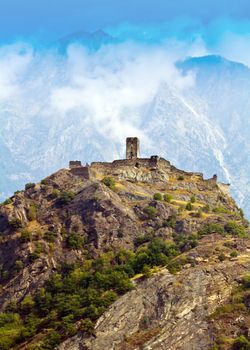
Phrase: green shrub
x=221 y=210
x=158 y=196
x=192 y=199
x=206 y=208
x=109 y=182
x=167 y=197
x=234 y=254
x=55 y=194
x=211 y=228
x=181 y=177
x=246 y=281
x=222 y=257
x=170 y=222
x=26 y=236
x=7 y=201
x=87 y=326
x=44 y=182
x=189 y=206
x=65 y=197
x=19 y=265
x=150 y=211
x=27 y=304
x=29 y=185
x=50 y=236
x=146 y=271
x=241 y=213
x=241 y=343
x=143 y=239
x=32 y=211
x=52 y=340
x=235 y=229
x=16 y=192
x=10 y=330
x=74 y=241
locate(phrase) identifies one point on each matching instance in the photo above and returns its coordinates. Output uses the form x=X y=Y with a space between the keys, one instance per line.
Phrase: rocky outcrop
x=165 y=311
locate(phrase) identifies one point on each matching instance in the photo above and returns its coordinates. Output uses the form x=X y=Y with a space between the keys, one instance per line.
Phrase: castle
x=153 y=169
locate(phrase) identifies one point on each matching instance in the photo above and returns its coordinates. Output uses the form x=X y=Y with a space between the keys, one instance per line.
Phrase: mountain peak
x=93 y=40
x=210 y=62
x=84 y=236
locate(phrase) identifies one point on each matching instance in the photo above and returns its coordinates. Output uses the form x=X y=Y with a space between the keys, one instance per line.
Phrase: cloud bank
x=103 y=87
x=109 y=87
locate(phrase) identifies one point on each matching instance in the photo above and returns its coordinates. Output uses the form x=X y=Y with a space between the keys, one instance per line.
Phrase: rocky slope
x=167 y=311
x=71 y=247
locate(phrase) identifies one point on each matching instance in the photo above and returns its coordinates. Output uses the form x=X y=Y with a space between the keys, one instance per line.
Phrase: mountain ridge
x=73 y=245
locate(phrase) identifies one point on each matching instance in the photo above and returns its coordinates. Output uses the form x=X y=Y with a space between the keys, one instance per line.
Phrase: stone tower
x=132 y=148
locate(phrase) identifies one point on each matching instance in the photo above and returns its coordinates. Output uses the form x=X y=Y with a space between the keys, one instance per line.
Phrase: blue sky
x=55 y=18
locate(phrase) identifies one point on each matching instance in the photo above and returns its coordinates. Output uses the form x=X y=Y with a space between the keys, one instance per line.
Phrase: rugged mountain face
x=168 y=311
x=205 y=128
x=73 y=245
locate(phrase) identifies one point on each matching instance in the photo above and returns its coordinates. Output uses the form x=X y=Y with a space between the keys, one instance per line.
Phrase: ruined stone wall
x=152 y=162
x=75 y=163
x=184 y=173
x=81 y=171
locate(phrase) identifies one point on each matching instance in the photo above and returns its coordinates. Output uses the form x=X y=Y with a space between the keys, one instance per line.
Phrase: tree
x=189 y=206
x=26 y=236
x=109 y=182
x=150 y=211
x=192 y=199
x=167 y=197
x=74 y=241
x=29 y=185
x=158 y=196
x=65 y=197
x=235 y=229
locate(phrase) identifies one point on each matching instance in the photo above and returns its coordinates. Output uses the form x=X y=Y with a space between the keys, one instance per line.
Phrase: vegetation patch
x=32 y=211
x=158 y=196
x=238 y=305
x=150 y=211
x=7 y=201
x=65 y=197
x=74 y=241
x=235 y=229
x=167 y=197
x=109 y=182
x=81 y=293
x=29 y=185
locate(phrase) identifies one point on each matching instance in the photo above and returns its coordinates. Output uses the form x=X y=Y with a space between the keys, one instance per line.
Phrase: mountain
x=133 y=254
x=205 y=128
x=91 y=40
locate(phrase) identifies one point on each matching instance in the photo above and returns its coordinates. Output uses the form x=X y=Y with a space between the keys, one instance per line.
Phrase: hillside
x=134 y=254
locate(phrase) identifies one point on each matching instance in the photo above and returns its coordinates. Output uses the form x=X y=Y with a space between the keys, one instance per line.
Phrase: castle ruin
x=134 y=168
x=132 y=148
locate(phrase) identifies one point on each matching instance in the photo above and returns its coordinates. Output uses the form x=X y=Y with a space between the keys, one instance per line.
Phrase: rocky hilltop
x=134 y=254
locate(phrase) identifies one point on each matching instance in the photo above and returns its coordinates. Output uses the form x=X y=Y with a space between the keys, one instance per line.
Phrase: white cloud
x=105 y=88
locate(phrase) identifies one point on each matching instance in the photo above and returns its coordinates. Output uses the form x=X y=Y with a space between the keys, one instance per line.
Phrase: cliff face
x=166 y=311
x=151 y=216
